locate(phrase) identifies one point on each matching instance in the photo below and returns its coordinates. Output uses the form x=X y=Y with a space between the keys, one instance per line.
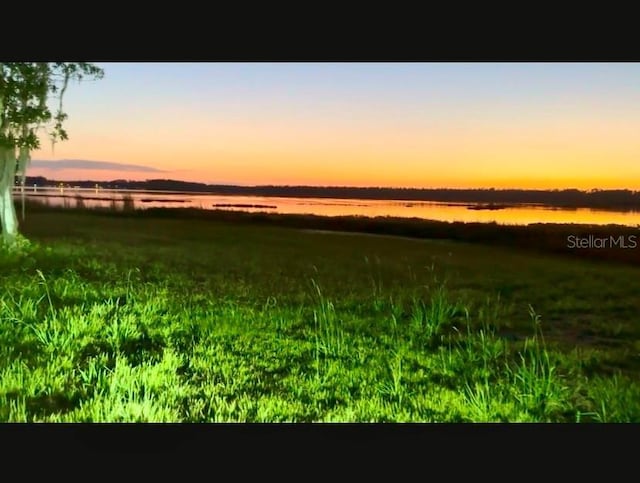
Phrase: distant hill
x=568 y=198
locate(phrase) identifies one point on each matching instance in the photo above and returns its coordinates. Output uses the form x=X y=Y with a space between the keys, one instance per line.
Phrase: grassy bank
x=537 y=238
x=172 y=316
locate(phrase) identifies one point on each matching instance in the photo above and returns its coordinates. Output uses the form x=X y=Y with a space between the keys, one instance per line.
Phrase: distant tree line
x=567 y=198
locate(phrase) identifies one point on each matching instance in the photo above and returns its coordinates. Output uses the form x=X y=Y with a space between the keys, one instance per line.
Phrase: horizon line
x=489 y=188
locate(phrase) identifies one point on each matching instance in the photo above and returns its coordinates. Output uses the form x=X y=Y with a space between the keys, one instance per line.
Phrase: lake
x=518 y=215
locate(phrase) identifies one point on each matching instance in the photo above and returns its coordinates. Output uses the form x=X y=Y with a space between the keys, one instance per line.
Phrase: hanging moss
x=25 y=89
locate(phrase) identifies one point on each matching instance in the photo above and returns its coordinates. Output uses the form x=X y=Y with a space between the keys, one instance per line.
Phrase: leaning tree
x=31 y=96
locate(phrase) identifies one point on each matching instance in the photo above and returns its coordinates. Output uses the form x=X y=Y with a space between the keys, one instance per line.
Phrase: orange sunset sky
x=502 y=125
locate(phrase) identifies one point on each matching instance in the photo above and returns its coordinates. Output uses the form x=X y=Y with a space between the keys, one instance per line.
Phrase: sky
x=414 y=125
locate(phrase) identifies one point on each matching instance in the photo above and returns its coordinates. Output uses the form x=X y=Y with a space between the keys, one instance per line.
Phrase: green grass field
x=115 y=318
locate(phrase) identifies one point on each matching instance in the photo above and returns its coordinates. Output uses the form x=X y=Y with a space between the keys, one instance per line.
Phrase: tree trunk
x=8 y=217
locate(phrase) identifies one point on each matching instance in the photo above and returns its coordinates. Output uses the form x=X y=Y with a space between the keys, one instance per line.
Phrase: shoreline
x=601 y=216
x=487 y=200
x=621 y=243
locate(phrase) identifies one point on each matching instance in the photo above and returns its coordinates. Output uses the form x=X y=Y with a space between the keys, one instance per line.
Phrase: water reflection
x=521 y=215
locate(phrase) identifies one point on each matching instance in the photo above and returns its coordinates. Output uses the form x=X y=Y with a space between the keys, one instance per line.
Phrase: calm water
x=334 y=207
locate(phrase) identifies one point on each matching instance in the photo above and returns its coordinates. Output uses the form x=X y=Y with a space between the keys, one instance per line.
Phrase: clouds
x=85 y=164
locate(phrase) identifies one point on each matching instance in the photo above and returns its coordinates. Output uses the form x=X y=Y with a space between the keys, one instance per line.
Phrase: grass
x=620 y=242
x=120 y=318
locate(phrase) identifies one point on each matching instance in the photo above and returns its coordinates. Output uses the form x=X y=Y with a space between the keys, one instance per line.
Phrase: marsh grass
x=536 y=382
x=394 y=385
x=128 y=204
x=80 y=203
x=614 y=399
x=329 y=336
x=428 y=319
x=151 y=331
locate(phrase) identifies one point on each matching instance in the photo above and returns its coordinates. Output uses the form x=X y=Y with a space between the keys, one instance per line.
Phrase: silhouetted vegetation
x=567 y=198
x=241 y=205
x=539 y=237
x=128 y=203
